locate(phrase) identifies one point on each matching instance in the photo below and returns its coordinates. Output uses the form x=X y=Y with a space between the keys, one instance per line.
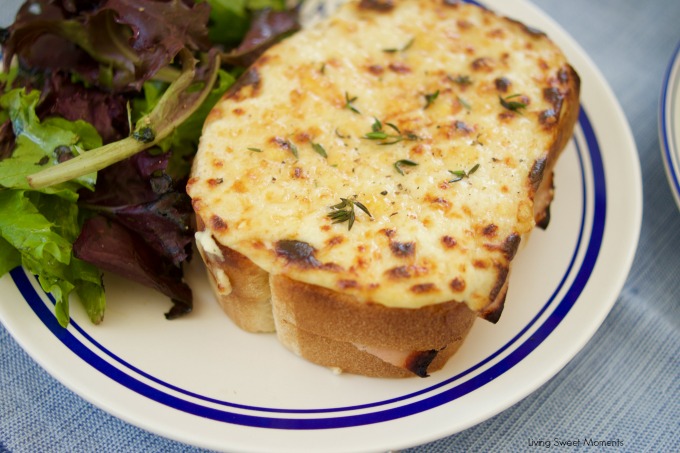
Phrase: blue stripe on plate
x=671 y=141
x=599 y=197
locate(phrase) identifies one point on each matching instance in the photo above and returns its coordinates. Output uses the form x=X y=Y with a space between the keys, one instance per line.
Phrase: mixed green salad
x=101 y=107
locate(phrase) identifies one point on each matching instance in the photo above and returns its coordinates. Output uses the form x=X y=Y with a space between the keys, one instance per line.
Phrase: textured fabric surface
x=624 y=385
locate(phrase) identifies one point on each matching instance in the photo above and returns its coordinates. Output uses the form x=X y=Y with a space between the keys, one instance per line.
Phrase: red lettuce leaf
x=115 y=44
x=138 y=194
x=266 y=29
x=113 y=248
x=106 y=111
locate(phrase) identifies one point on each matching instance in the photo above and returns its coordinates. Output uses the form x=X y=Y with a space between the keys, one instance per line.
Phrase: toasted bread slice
x=373 y=176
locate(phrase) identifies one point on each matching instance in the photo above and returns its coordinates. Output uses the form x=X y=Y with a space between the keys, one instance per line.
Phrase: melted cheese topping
x=431 y=76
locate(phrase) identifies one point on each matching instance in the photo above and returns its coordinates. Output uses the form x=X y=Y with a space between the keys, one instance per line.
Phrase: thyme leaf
x=515 y=106
x=399 y=163
x=344 y=212
x=378 y=133
x=430 y=98
x=460 y=174
x=348 y=103
x=319 y=150
x=293 y=149
x=461 y=79
x=400 y=49
x=464 y=103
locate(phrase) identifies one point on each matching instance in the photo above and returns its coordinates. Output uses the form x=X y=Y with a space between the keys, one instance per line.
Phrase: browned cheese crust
x=288 y=280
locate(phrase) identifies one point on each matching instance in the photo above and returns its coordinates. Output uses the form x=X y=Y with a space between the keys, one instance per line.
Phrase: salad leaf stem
x=174 y=107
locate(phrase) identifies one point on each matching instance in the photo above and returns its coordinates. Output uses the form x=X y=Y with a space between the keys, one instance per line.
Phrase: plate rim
x=669 y=138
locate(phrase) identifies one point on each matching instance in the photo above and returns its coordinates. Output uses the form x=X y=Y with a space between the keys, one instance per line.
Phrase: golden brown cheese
x=437 y=116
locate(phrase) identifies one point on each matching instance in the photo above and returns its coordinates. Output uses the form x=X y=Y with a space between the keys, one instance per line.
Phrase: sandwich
x=363 y=189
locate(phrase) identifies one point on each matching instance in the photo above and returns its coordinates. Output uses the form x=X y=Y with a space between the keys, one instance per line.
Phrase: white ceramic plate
x=669 y=123
x=202 y=381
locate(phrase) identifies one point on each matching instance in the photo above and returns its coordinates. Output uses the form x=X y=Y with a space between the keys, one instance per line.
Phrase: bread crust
x=345 y=357
x=340 y=317
x=241 y=287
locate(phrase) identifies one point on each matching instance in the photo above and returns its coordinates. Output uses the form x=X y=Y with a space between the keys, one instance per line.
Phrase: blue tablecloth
x=623 y=385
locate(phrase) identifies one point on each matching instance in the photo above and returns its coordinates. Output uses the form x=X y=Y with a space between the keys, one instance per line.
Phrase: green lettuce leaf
x=40 y=144
x=38 y=227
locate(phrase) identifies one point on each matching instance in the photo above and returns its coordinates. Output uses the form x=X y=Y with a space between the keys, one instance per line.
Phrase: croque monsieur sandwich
x=363 y=188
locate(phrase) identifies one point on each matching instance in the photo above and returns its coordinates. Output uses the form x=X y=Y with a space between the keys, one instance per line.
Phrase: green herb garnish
x=514 y=106
x=400 y=49
x=319 y=150
x=378 y=133
x=348 y=103
x=460 y=174
x=430 y=98
x=257 y=150
x=461 y=79
x=399 y=163
x=344 y=212
x=464 y=103
x=293 y=149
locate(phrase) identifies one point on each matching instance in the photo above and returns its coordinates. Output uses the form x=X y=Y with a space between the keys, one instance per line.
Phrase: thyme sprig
x=515 y=106
x=320 y=150
x=461 y=79
x=379 y=133
x=430 y=98
x=344 y=211
x=460 y=174
x=348 y=103
x=399 y=163
x=400 y=49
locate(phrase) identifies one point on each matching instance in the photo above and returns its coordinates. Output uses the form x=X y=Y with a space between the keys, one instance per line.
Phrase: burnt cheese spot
x=423 y=288
x=403 y=249
x=460 y=126
x=347 y=284
x=501 y=277
x=298 y=253
x=297 y=173
x=388 y=232
x=563 y=75
x=483 y=64
x=419 y=362
x=335 y=240
x=510 y=245
x=281 y=143
x=457 y=284
x=480 y=264
x=376 y=69
x=464 y=24
x=536 y=173
x=448 y=242
x=215 y=181
x=548 y=118
x=303 y=137
x=502 y=84
x=554 y=97
x=377 y=5
x=401 y=272
x=490 y=230
x=399 y=68
x=218 y=223
x=506 y=115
